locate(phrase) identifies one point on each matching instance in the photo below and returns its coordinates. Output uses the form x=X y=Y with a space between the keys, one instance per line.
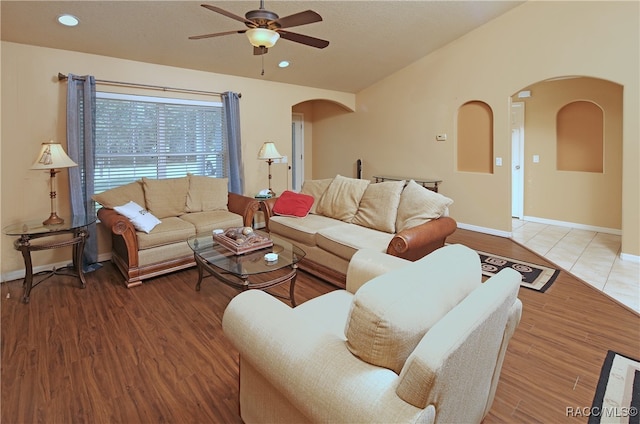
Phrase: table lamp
x=269 y=152
x=52 y=157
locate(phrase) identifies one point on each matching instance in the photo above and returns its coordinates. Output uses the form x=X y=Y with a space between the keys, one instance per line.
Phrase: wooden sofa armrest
x=267 y=209
x=243 y=205
x=418 y=241
x=119 y=225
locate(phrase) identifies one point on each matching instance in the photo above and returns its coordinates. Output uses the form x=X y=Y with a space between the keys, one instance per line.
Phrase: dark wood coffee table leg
x=200 y=271
x=292 y=285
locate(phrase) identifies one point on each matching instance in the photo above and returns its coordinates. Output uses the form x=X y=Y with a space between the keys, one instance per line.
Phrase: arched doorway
x=553 y=193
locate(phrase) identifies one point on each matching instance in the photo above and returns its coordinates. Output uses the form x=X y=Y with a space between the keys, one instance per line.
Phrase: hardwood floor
x=156 y=353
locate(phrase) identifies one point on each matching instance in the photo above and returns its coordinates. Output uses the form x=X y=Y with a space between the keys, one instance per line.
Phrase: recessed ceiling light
x=68 y=20
x=283 y=64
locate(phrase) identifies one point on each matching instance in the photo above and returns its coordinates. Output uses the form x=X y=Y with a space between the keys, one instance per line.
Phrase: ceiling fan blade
x=304 y=39
x=217 y=34
x=297 y=19
x=257 y=51
x=229 y=14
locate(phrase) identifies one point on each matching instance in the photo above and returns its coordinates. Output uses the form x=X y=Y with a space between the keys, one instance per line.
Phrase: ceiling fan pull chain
x=262 y=56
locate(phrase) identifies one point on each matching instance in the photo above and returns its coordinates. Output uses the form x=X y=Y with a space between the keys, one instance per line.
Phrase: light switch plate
x=536 y=158
x=441 y=137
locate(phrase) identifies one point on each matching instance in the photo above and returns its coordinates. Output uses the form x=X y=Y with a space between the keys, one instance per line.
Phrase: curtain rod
x=63 y=77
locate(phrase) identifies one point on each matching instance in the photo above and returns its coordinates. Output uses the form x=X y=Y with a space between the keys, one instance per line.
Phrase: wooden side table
x=32 y=230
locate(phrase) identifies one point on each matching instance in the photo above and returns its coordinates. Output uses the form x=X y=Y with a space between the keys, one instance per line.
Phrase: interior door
x=297 y=151
x=517 y=160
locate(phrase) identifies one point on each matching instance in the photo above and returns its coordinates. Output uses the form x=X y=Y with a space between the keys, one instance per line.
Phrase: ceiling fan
x=264 y=28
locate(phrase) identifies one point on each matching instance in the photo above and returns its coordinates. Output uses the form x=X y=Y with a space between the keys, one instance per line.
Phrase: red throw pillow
x=293 y=204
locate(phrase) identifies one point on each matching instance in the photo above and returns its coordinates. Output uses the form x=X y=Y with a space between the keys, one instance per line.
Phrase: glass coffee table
x=249 y=270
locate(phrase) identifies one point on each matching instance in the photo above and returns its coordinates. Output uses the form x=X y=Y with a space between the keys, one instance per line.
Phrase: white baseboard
x=19 y=274
x=630 y=258
x=507 y=234
x=485 y=230
x=575 y=225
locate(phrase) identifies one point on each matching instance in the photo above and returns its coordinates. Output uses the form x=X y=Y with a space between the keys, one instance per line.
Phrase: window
x=153 y=137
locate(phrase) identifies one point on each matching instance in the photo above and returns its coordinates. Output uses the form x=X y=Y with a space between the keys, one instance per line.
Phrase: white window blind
x=154 y=137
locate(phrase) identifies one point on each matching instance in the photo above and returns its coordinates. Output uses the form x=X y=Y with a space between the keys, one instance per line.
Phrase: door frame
x=517 y=159
x=297 y=151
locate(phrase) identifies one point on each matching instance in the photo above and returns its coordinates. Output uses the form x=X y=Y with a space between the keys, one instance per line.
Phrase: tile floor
x=591 y=256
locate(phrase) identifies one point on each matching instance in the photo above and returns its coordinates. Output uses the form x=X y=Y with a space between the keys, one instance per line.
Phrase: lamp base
x=54 y=219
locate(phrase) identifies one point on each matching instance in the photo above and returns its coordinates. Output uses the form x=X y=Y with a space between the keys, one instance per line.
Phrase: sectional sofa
x=345 y=215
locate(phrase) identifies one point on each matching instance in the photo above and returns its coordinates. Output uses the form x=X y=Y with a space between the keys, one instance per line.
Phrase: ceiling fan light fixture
x=262 y=37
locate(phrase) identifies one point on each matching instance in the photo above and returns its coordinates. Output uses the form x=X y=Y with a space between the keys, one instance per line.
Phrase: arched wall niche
x=559 y=193
x=474 y=149
x=580 y=137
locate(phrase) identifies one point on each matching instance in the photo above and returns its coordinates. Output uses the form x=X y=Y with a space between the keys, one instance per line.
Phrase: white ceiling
x=369 y=40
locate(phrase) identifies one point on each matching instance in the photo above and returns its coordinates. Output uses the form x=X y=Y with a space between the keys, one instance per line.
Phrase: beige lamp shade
x=52 y=156
x=262 y=37
x=269 y=151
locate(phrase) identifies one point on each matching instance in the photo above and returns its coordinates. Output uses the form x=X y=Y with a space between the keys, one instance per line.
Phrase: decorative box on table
x=240 y=240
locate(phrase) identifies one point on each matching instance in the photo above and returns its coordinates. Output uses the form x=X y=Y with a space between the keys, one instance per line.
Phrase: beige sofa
x=183 y=207
x=406 y=342
x=400 y=218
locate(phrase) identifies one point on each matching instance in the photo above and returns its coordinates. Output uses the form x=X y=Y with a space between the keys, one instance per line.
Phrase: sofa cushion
x=391 y=313
x=142 y=219
x=378 y=207
x=302 y=230
x=316 y=189
x=166 y=197
x=342 y=197
x=419 y=205
x=294 y=204
x=206 y=222
x=132 y=192
x=170 y=230
x=345 y=240
x=207 y=194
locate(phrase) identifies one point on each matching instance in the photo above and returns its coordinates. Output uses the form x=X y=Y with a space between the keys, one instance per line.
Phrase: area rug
x=535 y=277
x=617 y=397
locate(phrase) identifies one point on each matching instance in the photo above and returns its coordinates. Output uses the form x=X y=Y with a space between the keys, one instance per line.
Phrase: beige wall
x=33 y=111
x=398 y=118
x=589 y=198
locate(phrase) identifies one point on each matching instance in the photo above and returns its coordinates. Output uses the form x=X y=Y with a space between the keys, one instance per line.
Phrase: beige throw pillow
x=119 y=196
x=207 y=194
x=419 y=205
x=390 y=314
x=379 y=206
x=342 y=197
x=166 y=197
x=316 y=189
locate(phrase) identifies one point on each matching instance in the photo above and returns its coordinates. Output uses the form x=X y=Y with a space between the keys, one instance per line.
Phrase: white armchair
x=407 y=341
